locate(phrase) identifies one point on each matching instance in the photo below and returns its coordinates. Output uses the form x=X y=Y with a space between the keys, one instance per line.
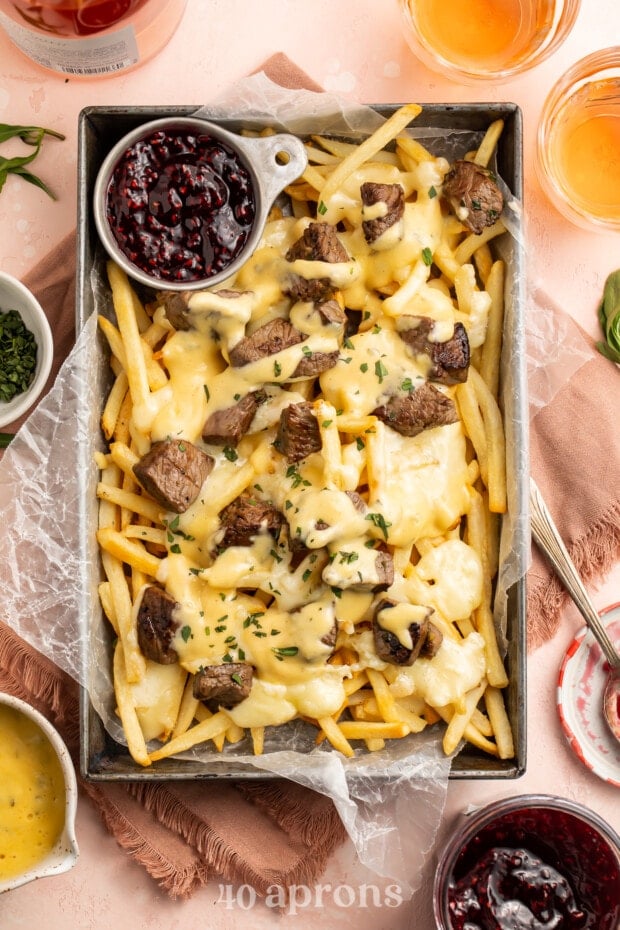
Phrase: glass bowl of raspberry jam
x=180 y=203
x=534 y=862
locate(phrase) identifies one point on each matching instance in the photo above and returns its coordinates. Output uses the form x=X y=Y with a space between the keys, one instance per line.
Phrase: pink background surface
x=354 y=48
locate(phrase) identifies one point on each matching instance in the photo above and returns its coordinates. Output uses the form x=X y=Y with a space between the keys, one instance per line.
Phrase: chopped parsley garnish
x=432 y=192
x=306 y=574
x=321 y=208
x=337 y=592
x=326 y=423
x=277 y=369
x=427 y=256
x=348 y=344
x=236 y=677
x=348 y=557
x=364 y=367
x=230 y=453
x=359 y=442
x=283 y=652
x=378 y=520
x=186 y=633
x=407 y=385
x=380 y=371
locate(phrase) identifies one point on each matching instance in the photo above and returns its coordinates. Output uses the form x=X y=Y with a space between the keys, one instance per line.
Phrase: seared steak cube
x=173 y=473
x=227 y=426
x=298 y=434
x=311 y=290
x=393 y=196
x=384 y=566
x=319 y=243
x=156 y=625
x=387 y=644
x=223 y=685
x=331 y=313
x=247 y=517
x=313 y=363
x=176 y=309
x=432 y=642
x=420 y=409
x=473 y=194
x=272 y=337
x=450 y=358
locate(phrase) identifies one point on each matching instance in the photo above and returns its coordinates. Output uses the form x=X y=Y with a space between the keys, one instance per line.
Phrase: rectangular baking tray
x=101 y=757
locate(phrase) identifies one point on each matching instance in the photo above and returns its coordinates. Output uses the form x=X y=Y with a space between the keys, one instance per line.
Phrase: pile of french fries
x=156 y=702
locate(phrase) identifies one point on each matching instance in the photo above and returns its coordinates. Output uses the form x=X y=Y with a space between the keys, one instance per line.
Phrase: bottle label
x=101 y=54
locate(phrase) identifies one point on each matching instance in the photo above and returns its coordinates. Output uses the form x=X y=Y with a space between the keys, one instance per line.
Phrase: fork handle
x=548 y=538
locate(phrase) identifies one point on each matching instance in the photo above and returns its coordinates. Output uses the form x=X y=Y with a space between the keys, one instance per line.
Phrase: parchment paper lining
x=47 y=494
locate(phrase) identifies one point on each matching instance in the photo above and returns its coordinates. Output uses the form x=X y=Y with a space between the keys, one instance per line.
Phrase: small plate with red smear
x=581 y=683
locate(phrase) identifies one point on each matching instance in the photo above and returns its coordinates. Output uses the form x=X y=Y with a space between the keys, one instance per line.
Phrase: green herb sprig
x=32 y=136
x=609 y=318
x=18 y=355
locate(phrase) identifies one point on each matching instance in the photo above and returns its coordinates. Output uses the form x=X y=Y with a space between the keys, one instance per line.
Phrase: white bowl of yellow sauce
x=38 y=797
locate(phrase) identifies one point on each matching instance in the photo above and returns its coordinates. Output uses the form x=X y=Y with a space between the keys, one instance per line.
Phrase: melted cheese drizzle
x=420 y=490
x=32 y=794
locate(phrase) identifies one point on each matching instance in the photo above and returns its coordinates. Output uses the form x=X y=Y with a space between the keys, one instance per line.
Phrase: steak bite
x=247 y=517
x=432 y=642
x=298 y=434
x=319 y=243
x=275 y=336
x=176 y=309
x=423 y=408
x=311 y=290
x=331 y=314
x=384 y=566
x=313 y=363
x=173 y=472
x=450 y=358
x=156 y=625
x=223 y=685
x=227 y=426
x=393 y=198
x=473 y=194
x=387 y=644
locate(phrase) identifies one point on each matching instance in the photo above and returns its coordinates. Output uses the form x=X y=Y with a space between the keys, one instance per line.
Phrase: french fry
x=461 y=719
x=129 y=551
x=495 y=444
x=489 y=143
x=334 y=734
x=127 y=711
x=492 y=347
x=464 y=252
x=135 y=663
x=500 y=723
x=258 y=740
x=199 y=733
x=112 y=409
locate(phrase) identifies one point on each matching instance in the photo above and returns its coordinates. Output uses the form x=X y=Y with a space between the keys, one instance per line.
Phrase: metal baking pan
x=104 y=759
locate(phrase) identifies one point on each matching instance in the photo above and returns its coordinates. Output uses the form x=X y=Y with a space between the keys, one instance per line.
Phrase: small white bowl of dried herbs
x=26 y=349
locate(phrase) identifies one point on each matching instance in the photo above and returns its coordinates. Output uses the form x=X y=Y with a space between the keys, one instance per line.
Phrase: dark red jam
x=535 y=869
x=180 y=205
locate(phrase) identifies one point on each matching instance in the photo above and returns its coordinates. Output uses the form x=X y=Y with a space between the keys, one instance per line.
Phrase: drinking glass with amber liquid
x=472 y=40
x=578 y=150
